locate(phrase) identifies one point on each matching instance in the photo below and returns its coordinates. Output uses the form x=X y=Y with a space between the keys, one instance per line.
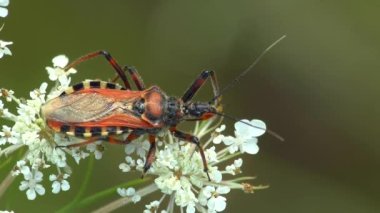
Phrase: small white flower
x=215 y=202
x=8 y=136
x=218 y=139
x=130 y=192
x=6 y=93
x=152 y=207
x=138 y=146
x=21 y=168
x=246 y=137
x=31 y=183
x=97 y=148
x=235 y=167
x=59 y=183
x=58 y=73
x=221 y=128
x=3 y=10
x=4 y=50
x=39 y=94
x=126 y=167
x=78 y=154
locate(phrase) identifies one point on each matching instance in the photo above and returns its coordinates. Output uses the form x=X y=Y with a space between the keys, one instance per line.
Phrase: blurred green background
x=318 y=88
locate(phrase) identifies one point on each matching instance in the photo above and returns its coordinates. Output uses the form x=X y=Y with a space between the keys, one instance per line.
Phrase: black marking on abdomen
x=124 y=129
x=65 y=128
x=78 y=86
x=96 y=131
x=94 y=84
x=110 y=85
x=79 y=131
x=111 y=130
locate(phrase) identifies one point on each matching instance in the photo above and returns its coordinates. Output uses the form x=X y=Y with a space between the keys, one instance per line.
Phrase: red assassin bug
x=99 y=110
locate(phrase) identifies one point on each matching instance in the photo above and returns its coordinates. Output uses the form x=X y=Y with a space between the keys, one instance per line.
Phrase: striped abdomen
x=80 y=131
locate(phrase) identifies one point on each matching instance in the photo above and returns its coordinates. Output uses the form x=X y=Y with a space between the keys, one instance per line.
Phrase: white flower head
x=3 y=10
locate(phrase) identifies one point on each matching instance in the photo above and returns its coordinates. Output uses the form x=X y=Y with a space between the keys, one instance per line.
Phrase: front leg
x=151 y=154
x=194 y=140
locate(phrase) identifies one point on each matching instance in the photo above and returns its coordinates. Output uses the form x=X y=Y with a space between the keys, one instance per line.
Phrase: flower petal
x=3 y=12
x=65 y=186
x=40 y=189
x=260 y=130
x=56 y=187
x=220 y=203
x=60 y=61
x=4 y=3
x=250 y=146
x=223 y=190
x=31 y=194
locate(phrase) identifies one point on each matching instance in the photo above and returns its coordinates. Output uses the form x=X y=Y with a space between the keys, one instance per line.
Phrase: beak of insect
x=202 y=111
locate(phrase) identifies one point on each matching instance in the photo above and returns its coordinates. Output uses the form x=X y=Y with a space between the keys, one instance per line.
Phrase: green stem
x=83 y=187
x=125 y=200
x=107 y=192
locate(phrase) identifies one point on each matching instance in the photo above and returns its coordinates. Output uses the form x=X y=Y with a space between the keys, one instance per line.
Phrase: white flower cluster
x=29 y=130
x=179 y=172
x=4 y=50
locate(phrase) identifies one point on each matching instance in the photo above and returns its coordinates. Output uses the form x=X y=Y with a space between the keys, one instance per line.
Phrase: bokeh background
x=319 y=88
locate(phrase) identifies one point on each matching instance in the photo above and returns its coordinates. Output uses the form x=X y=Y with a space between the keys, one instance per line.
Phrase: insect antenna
x=271 y=132
x=249 y=68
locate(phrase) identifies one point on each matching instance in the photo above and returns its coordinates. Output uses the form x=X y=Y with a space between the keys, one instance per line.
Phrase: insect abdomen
x=87 y=132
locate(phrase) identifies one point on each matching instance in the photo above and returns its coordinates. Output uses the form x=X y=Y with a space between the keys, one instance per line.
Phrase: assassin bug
x=99 y=110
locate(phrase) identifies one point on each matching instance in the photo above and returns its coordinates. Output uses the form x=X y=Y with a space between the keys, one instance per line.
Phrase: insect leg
x=89 y=141
x=135 y=77
x=194 y=140
x=131 y=137
x=110 y=60
x=198 y=83
x=151 y=154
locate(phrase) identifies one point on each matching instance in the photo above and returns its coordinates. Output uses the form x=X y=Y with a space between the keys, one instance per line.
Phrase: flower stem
x=125 y=200
x=83 y=187
x=107 y=192
x=6 y=183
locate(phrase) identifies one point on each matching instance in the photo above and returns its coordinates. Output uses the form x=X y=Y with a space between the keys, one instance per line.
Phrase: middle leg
x=135 y=77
